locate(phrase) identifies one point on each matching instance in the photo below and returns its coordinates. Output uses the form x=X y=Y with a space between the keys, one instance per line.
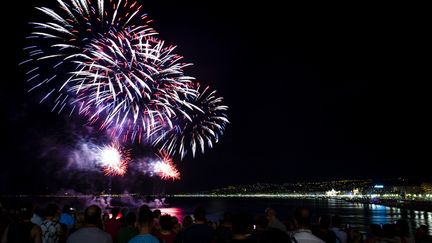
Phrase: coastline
x=416 y=205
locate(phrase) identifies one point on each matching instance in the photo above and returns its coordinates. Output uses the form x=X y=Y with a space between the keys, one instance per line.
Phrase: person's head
x=402 y=228
x=261 y=222
x=51 y=210
x=425 y=228
x=143 y=207
x=240 y=224
x=37 y=210
x=325 y=221
x=227 y=219
x=145 y=220
x=375 y=229
x=290 y=224
x=105 y=217
x=270 y=213
x=187 y=221
x=124 y=211
x=200 y=214
x=165 y=222
x=389 y=230
x=79 y=220
x=302 y=217
x=130 y=219
x=421 y=232
x=25 y=211
x=92 y=215
x=67 y=209
x=174 y=220
x=157 y=213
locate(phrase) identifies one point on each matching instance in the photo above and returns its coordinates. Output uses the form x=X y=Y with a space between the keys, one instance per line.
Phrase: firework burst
x=131 y=84
x=113 y=70
x=165 y=168
x=102 y=60
x=59 y=44
x=113 y=159
x=201 y=125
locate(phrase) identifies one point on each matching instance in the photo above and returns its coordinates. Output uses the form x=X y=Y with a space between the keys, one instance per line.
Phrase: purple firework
x=199 y=124
x=102 y=58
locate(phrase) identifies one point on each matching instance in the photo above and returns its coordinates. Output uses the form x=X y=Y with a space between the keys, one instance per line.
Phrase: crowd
x=30 y=224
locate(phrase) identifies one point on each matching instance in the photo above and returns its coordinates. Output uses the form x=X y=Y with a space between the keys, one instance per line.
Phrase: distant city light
x=379 y=186
x=333 y=193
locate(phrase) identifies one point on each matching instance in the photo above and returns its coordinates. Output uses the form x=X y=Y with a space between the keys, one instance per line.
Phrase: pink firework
x=165 y=167
x=113 y=160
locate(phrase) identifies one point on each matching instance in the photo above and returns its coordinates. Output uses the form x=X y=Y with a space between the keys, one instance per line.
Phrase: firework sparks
x=165 y=168
x=113 y=160
x=131 y=85
x=201 y=126
x=102 y=59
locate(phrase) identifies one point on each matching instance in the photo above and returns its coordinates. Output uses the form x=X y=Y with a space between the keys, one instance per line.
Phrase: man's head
x=130 y=219
x=270 y=213
x=92 y=215
x=199 y=214
x=165 y=222
x=26 y=211
x=157 y=213
x=325 y=221
x=145 y=218
x=302 y=217
x=67 y=209
x=52 y=210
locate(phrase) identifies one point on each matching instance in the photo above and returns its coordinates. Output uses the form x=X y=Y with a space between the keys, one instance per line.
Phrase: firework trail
x=201 y=126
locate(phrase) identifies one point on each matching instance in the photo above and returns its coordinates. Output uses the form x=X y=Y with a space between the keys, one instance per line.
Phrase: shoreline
x=416 y=205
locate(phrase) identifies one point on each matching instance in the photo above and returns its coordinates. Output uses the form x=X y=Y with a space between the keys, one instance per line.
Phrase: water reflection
x=176 y=212
x=358 y=215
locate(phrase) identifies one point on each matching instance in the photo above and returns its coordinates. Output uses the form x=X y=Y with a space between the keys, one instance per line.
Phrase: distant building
x=426 y=188
x=332 y=193
x=407 y=189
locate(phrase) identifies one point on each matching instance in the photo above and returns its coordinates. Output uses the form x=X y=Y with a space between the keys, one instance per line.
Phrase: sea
x=354 y=215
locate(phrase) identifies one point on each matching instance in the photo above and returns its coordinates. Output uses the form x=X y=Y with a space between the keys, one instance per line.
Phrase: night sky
x=315 y=92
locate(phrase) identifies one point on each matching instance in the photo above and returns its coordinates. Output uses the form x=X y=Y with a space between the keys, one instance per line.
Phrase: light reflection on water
x=176 y=212
x=357 y=215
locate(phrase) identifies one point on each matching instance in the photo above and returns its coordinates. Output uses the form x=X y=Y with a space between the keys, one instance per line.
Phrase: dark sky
x=315 y=92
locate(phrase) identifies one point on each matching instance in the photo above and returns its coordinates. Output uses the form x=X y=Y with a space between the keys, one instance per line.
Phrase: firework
x=200 y=126
x=102 y=59
x=164 y=167
x=113 y=159
x=59 y=44
x=132 y=85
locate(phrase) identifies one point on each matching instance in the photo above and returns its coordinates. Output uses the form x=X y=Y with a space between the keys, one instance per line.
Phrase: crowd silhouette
x=32 y=224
